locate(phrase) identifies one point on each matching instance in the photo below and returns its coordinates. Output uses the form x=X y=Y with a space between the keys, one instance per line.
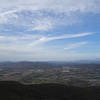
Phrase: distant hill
x=27 y=64
x=16 y=91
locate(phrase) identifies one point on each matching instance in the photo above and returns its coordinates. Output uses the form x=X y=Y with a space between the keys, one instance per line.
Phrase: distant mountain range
x=25 y=64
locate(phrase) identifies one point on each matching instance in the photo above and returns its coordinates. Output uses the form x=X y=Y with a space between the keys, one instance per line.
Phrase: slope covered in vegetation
x=16 y=91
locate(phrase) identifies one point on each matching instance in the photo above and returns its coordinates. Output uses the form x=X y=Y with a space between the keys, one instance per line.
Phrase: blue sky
x=51 y=30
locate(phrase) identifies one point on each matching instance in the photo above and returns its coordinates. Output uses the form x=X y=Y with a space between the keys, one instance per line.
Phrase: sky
x=49 y=30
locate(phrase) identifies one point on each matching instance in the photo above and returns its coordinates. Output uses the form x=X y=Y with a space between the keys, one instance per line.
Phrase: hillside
x=16 y=91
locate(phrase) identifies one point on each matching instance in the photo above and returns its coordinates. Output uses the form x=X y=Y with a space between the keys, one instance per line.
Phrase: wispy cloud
x=56 y=5
x=43 y=24
x=37 y=38
x=20 y=37
x=75 y=45
x=27 y=42
x=36 y=20
x=9 y=12
x=46 y=39
x=6 y=15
